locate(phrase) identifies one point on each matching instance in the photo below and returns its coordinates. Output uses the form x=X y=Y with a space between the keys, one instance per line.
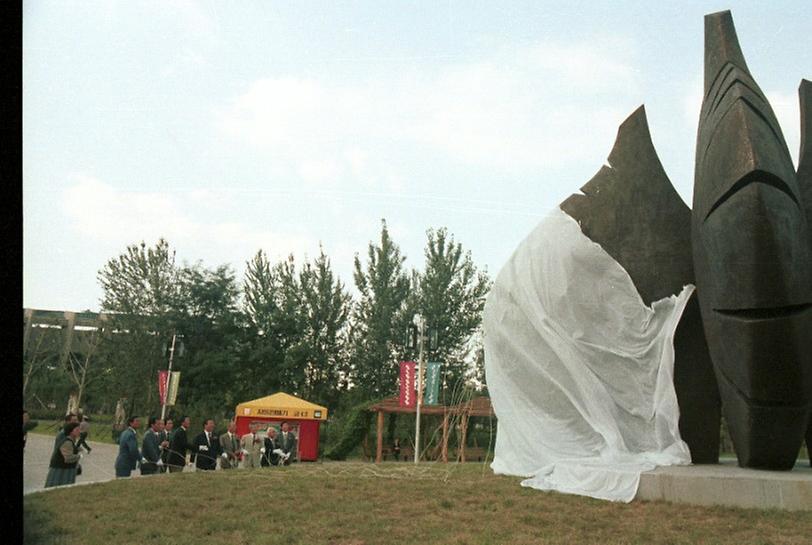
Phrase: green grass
x=342 y=503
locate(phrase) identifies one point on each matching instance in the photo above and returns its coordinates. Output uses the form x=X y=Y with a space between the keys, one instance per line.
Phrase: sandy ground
x=98 y=466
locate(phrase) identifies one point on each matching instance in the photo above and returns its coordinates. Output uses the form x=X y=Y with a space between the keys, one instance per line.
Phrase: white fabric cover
x=579 y=369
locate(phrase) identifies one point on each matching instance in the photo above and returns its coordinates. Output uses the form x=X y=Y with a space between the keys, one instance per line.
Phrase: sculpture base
x=729 y=485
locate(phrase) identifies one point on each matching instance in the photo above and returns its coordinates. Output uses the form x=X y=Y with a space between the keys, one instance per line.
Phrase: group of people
x=165 y=448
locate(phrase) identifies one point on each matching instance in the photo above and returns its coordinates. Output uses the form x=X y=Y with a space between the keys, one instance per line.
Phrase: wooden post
x=463 y=430
x=379 y=454
x=444 y=451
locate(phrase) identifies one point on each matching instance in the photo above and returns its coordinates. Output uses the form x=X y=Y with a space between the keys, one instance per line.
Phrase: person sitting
x=64 y=460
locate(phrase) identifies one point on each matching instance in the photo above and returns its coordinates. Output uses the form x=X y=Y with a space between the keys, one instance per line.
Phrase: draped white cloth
x=579 y=369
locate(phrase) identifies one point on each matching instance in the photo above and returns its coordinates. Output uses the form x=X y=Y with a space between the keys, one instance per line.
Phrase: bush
x=355 y=427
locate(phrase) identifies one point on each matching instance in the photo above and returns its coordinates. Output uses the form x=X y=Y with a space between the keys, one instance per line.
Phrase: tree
x=207 y=314
x=140 y=291
x=383 y=286
x=80 y=370
x=273 y=306
x=326 y=308
x=451 y=296
x=39 y=355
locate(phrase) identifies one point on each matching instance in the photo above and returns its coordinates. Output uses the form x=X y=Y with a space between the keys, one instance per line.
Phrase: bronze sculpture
x=746 y=244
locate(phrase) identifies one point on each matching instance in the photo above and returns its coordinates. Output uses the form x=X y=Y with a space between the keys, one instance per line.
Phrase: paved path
x=96 y=466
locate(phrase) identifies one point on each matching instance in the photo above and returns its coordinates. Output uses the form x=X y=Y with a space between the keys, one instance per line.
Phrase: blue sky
x=227 y=127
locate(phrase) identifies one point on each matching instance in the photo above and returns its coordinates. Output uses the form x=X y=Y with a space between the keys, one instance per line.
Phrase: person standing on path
x=70 y=418
x=28 y=425
x=128 y=455
x=62 y=467
x=84 y=430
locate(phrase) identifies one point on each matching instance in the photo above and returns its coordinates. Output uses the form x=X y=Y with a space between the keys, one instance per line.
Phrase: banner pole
x=168 y=377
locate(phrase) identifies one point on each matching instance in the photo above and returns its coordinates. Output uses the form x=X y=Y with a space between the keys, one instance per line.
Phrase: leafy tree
x=450 y=294
x=140 y=290
x=208 y=315
x=383 y=286
x=273 y=306
x=326 y=308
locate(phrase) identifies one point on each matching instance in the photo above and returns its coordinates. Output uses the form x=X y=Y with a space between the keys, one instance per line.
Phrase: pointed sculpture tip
x=721 y=46
x=635 y=123
x=725 y=13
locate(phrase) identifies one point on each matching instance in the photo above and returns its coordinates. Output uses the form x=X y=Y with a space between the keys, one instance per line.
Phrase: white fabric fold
x=579 y=369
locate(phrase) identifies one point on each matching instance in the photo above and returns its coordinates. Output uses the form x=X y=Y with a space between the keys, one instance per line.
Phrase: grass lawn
x=343 y=503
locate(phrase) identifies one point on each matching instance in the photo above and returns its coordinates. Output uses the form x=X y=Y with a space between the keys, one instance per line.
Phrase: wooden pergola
x=477 y=406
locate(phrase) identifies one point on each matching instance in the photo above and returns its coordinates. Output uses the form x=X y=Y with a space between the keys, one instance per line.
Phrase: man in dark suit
x=179 y=446
x=165 y=437
x=150 y=447
x=206 y=448
x=287 y=442
x=128 y=454
x=270 y=449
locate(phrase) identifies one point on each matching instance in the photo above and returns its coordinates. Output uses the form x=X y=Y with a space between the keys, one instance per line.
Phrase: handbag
x=78 y=469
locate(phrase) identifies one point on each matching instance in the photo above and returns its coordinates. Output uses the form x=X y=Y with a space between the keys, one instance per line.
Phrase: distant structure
x=60 y=332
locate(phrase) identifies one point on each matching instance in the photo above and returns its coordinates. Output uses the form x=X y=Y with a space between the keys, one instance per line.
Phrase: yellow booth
x=303 y=417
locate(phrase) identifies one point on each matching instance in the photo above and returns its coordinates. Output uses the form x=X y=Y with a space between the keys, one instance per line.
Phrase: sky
x=229 y=127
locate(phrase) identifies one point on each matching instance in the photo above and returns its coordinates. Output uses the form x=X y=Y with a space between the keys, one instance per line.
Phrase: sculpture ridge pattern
x=752 y=259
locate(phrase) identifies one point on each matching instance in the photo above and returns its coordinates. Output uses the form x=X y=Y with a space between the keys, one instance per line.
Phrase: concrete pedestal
x=729 y=485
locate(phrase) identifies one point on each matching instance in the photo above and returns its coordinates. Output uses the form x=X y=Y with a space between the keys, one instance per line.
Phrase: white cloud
x=542 y=106
x=101 y=212
x=692 y=103
x=788 y=112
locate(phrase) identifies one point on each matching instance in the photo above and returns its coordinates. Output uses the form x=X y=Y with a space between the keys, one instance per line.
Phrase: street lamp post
x=420 y=322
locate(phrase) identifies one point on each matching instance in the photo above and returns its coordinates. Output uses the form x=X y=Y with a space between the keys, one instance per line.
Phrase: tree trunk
x=73 y=404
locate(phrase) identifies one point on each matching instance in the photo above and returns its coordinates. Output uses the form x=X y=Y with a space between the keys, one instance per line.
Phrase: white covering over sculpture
x=579 y=369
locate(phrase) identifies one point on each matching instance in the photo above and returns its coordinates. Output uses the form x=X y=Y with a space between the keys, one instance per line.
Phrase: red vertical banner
x=407 y=384
x=163 y=382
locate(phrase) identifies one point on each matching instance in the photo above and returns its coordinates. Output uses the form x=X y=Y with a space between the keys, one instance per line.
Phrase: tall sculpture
x=743 y=347
x=631 y=209
x=752 y=259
